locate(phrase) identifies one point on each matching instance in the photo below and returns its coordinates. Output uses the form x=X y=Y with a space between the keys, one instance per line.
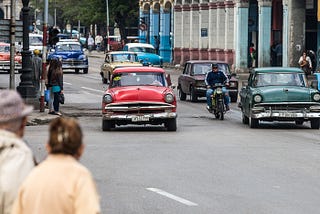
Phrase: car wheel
x=77 y=70
x=253 y=123
x=193 y=95
x=85 y=70
x=245 y=119
x=107 y=125
x=315 y=123
x=233 y=99
x=182 y=95
x=299 y=122
x=171 y=124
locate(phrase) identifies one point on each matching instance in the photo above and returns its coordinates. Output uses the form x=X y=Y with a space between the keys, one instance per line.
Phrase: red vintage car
x=139 y=95
x=5 y=58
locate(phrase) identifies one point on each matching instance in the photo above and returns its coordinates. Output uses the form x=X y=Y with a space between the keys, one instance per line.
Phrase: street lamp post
x=26 y=87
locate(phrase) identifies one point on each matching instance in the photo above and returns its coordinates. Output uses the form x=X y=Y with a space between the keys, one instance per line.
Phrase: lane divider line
x=171 y=196
x=91 y=89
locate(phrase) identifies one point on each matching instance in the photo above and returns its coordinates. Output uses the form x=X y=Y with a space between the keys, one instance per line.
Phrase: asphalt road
x=207 y=166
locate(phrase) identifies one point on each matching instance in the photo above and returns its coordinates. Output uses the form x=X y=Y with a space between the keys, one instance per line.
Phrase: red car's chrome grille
x=139 y=107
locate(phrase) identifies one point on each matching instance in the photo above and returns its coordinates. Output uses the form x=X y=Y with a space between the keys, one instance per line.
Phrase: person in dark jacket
x=212 y=78
x=55 y=81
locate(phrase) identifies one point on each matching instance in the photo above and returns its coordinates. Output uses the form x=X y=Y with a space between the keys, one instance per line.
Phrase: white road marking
x=176 y=198
x=67 y=83
x=91 y=89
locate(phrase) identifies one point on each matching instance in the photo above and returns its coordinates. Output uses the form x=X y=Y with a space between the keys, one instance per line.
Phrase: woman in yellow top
x=60 y=184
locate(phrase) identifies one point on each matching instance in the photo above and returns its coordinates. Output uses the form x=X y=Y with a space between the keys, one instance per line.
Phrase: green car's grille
x=287 y=106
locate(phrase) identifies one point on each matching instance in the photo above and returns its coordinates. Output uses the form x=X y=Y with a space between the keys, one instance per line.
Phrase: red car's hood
x=138 y=93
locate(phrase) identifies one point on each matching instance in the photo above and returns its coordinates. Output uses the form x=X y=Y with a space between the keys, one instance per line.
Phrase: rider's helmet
x=36 y=52
x=214 y=66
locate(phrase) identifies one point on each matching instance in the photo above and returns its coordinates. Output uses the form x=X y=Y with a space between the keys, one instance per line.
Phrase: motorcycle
x=218 y=107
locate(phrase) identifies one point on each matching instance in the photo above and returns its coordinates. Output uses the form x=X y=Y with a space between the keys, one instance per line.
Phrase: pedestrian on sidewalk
x=36 y=69
x=55 y=83
x=16 y=158
x=252 y=52
x=60 y=184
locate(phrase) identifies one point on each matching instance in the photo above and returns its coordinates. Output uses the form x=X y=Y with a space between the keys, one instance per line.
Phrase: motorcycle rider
x=212 y=78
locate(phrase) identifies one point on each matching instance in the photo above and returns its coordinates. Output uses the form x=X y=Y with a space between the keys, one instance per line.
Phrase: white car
x=35 y=42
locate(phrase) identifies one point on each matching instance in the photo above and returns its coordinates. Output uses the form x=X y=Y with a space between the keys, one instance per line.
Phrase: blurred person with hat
x=37 y=69
x=60 y=184
x=16 y=158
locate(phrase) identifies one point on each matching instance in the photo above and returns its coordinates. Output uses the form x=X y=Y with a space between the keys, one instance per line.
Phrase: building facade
x=223 y=30
x=5 y=9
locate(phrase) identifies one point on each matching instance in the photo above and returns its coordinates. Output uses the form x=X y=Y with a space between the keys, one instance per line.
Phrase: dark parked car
x=279 y=94
x=191 y=81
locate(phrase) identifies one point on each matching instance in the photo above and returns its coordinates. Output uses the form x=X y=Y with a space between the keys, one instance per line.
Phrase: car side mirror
x=314 y=84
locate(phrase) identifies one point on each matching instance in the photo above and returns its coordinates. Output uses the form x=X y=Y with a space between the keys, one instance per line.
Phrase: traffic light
x=53 y=36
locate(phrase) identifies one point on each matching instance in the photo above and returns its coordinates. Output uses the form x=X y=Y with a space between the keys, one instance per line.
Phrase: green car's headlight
x=257 y=98
x=316 y=97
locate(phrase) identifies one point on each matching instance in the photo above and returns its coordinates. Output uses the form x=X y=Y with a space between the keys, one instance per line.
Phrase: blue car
x=146 y=53
x=71 y=53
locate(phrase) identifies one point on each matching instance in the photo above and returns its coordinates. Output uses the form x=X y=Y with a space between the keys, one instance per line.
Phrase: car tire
x=76 y=70
x=233 y=98
x=182 y=95
x=315 y=123
x=193 y=95
x=107 y=125
x=253 y=123
x=171 y=124
x=85 y=70
x=245 y=119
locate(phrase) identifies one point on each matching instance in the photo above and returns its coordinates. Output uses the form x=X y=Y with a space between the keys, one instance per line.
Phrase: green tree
x=122 y=13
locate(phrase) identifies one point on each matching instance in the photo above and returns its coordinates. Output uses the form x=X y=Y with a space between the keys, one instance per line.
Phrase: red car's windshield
x=138 y=78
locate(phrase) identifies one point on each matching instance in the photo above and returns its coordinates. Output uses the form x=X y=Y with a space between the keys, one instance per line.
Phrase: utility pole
x=44 y=55
x=12 y=43
x=108 y=34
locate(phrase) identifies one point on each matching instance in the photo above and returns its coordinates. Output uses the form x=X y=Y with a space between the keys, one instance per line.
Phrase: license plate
x=140 y=118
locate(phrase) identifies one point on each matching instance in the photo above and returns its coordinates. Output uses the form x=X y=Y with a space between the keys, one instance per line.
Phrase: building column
x=195 y=32
x=212 y=31
x=204 y=26
x=285 y=35
x=178 y=34
x=264 y=36
x=229 y=32
x=242 y=14
x=186 y=33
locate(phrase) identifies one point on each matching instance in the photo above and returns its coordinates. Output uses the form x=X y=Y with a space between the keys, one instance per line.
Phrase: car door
x=185 y=85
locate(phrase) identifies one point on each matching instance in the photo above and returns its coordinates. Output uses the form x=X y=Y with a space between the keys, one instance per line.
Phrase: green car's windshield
x=138 y=79
x=279 y=79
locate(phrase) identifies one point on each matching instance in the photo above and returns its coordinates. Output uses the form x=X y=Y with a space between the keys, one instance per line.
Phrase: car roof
x=35 y=35
x=68 y=41
x=4 y=44
x=206 y=61
x=276 y=69
x=130 y=45
x=138 y=69
x=121 y=52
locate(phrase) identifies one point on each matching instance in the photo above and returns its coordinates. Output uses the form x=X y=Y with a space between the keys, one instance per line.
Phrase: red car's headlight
x=107 y=98
x=169 y=98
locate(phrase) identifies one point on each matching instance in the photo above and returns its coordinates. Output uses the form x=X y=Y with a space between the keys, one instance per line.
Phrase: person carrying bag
x=55 y=80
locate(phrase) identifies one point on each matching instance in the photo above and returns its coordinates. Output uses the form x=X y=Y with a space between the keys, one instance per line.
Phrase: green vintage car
x=279 y=94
